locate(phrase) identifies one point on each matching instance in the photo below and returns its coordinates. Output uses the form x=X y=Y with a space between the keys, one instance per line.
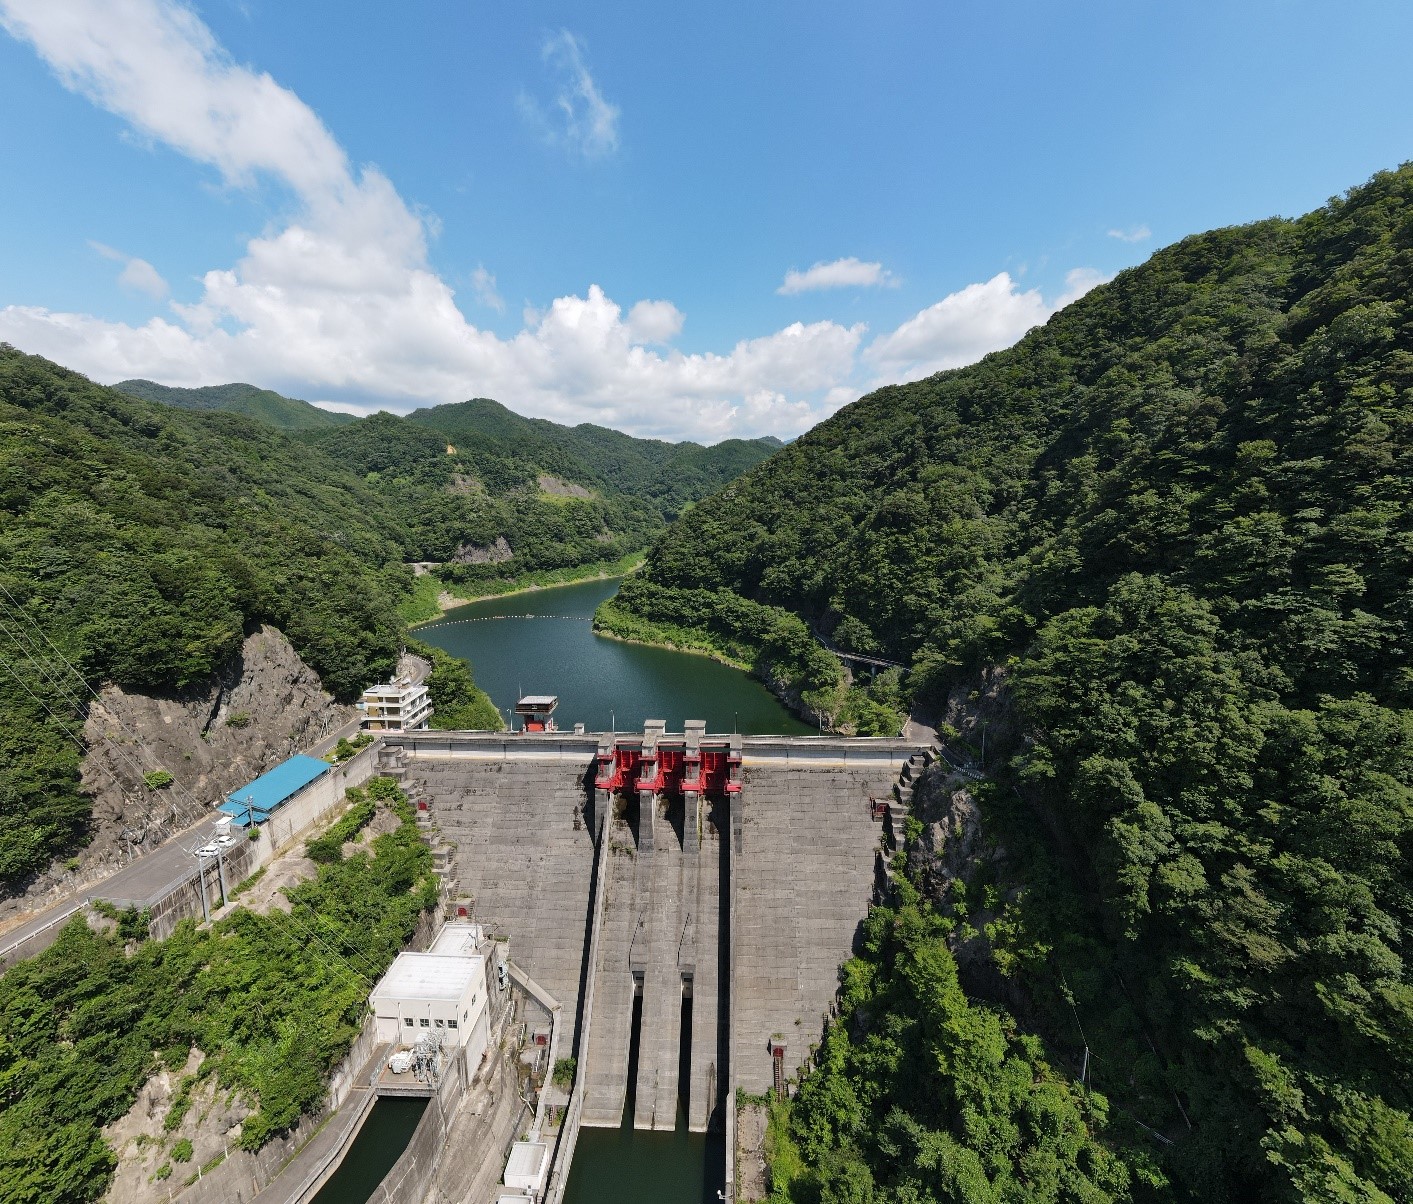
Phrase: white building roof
x=457 y=940
x=527 y=1164
x=433 y=976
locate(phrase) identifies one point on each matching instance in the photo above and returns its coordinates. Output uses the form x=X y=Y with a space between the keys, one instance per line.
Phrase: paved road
x=173 y=862
x=152 y=875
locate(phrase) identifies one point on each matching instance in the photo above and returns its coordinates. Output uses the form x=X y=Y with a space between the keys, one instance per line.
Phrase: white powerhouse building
x=443 y=991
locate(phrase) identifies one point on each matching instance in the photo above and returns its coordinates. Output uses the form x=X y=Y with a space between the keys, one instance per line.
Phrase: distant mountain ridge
x=264 y=405
x=482 y=447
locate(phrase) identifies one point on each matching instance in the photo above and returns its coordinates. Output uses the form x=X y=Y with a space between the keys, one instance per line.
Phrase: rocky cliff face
x=266 y=706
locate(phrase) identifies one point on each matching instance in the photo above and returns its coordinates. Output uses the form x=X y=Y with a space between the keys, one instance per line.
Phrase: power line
x=50 y=677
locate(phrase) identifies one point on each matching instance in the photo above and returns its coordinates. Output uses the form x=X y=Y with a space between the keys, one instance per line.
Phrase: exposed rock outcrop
x=557 y=488
x=495 y=553
x=265 y=706
x=955 y=847
x=143 y=1144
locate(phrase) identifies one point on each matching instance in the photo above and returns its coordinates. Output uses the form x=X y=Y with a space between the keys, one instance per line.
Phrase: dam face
x=704 y=887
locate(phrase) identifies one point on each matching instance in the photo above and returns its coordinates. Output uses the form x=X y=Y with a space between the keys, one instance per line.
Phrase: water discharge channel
x=541 y=642
x=379 y=1144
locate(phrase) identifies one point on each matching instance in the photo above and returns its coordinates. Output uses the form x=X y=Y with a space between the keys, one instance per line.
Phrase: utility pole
x=221 y=874
x=201 y=877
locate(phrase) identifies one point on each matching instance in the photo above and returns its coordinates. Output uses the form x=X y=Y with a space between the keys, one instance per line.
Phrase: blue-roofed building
x=256 y=802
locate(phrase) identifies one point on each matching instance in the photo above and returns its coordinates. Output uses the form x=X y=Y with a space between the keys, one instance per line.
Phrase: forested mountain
x=1177 y=522
x=667 y=476
x=146 y=541
x=486 y=493
x=264 y=405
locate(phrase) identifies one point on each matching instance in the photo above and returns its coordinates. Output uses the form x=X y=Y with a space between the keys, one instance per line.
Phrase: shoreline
x=446 y=600
x=720 y=657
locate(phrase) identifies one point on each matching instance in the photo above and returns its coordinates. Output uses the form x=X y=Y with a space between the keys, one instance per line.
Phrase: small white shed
x=527 y=1166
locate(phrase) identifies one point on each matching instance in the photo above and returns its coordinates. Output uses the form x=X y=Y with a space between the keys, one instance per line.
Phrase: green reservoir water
x=541 y=643
x=379 y=1144
x=632 y=1166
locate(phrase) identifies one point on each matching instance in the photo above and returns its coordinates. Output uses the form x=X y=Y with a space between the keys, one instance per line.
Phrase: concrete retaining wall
x=498 y=746
x=807 y=751
x=38 y=942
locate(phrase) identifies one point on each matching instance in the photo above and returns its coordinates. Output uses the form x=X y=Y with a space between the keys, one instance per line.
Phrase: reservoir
x=542 y=643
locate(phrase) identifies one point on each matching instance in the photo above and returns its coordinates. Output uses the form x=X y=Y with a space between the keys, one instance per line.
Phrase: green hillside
x=667 y=476
x=283 y=413
x=1177 y=522
x=489 y=495
x=145 y=542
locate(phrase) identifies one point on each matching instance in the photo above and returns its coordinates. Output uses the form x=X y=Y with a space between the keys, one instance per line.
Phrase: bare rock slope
x=265 y=706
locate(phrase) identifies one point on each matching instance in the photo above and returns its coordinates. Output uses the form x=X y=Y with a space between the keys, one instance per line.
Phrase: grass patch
x=783 y=1160
x=421 y=606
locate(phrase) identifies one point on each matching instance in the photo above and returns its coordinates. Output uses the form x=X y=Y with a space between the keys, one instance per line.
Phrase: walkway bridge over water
x=688 y=895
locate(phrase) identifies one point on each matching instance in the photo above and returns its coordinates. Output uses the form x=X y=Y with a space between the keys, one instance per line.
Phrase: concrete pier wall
x=604 y=1064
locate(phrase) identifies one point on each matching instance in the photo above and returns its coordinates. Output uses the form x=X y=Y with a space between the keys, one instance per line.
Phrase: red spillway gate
x=670 y=769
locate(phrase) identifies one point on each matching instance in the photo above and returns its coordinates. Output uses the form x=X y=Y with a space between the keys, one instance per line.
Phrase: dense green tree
x=272 y=1001
x=1177 y=518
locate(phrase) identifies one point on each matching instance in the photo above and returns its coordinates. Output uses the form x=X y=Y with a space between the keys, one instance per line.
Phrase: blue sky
x=612 y=212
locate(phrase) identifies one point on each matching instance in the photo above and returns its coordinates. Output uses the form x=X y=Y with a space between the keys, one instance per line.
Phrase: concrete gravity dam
x=686 y=897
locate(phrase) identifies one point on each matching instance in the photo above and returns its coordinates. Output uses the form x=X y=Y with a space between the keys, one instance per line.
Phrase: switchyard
x=687 y=897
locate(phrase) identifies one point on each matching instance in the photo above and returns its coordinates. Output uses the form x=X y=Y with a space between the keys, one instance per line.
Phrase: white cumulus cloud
x=341 y=301
x=578 y=117
x=968 y=324
x=654 y=322
x=137 y=274
x=838 y=273
x=1131 y=234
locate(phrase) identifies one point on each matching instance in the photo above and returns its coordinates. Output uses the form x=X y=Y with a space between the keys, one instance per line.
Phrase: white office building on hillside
x=395 y=706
